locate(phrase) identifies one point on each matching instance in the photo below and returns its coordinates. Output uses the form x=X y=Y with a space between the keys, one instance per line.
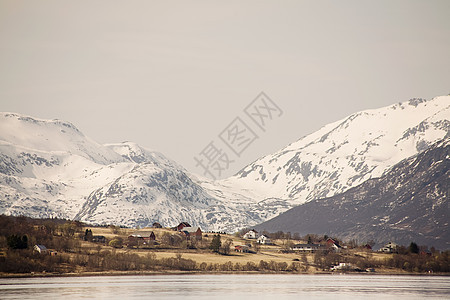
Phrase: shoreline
x=155 y=273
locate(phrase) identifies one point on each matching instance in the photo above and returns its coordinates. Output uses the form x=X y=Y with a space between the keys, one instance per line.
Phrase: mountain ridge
x=347 y=152
x=407 y=203
x=48 y=168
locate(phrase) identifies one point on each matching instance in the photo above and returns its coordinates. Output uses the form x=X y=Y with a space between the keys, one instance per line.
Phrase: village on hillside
x=60 y=246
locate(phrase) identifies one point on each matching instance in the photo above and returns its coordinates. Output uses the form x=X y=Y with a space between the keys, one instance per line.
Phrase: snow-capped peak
x=347 y=152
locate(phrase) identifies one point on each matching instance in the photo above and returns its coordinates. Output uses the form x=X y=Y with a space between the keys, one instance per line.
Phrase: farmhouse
x=41 y=249
x=141 y=237
x=252 y=234
x=156 y=225
x=389 y=248
x=182 y=225
x=333 y=245
x=194 y=232
x=308 y=248
x=242 y=248
x=264 y=240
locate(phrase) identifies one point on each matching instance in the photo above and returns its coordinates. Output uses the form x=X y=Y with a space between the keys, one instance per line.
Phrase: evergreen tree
x=215 y=243
x=413 y=248
x=17 y=242
x=88 y=235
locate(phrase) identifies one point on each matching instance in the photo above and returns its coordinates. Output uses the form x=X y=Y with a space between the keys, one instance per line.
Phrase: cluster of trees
x=219 y=247
x=18 y=235
x=27 y=261
x=325 y=260
x=416 y=262
x=409 y=259
x=262 y=266
x=14 y=241
x=23 y=233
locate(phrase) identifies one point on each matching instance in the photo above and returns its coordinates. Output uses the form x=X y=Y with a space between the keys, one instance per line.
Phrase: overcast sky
x=172 y=75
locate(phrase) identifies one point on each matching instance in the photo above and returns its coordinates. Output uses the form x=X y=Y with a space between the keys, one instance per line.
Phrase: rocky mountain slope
x=346 y=153
x=51 y=169
x=410 y=202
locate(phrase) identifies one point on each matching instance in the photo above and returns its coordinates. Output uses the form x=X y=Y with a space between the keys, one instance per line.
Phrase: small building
x=367 y=247
x=143 y=235
x=41 y=249
x=342 y=266
x=309 y=248
x=425 y=252
x=389 y=248
x=156 y=225
x=264 y=240
x=252 y=234
x=182 y=225
x=242 y=248
x=333 y=245
x=192 y=232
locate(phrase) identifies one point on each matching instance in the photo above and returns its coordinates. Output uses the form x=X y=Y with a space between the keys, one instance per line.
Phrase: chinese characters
x=237 y=136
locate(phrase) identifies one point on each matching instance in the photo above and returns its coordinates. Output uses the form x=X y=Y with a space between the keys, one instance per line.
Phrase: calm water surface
x=228 y=287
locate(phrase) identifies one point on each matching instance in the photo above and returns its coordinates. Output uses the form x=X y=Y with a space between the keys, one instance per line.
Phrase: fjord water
x=251 y=286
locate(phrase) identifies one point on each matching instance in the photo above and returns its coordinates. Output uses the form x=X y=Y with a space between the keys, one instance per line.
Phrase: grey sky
x=171 y=75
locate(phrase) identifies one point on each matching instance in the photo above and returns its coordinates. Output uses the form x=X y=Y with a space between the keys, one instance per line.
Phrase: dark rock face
x=408 y=203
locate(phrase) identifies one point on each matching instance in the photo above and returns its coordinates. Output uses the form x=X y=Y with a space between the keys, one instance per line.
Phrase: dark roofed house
x=367 y=247
x=192 y=232
x=146 y=235
x=309 y=247
x=156 y=225
x=389 y=248
x=333 y=245
x=182 y=225
x=41 y=249
x=242 y=248
x=141 y=237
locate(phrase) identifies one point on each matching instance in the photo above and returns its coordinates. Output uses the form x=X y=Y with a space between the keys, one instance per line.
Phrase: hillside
x=345 y=153
x=408 y=203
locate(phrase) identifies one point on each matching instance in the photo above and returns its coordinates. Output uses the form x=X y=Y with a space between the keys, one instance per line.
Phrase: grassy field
x=202 y=254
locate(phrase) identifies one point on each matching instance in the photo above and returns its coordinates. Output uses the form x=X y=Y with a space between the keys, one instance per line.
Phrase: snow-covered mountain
x=48 y=168
x=409 y=203
x=345 y=153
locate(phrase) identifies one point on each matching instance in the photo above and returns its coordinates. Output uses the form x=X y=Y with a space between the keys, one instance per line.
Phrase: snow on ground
x=49 y=168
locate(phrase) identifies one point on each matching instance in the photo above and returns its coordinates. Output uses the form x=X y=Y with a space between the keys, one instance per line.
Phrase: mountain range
x=408 y=203
x=48 y=168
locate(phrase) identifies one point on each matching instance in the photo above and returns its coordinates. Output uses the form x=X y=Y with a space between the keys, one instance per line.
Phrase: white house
x=342 y=266
x=41 y=249
x=264 y=240
x=389 y=248
x=252 y=234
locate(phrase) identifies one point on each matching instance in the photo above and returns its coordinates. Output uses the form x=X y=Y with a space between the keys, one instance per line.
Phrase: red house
x=141 y=237
x=182 y=225
x=192 y=232
x=333 y=245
